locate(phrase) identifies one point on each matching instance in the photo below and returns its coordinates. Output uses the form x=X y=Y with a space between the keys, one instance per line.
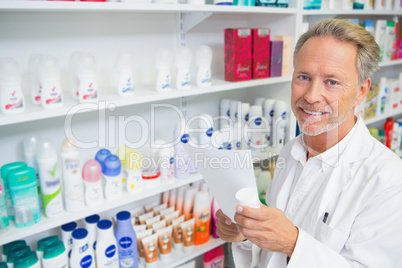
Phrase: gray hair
x=368 y=51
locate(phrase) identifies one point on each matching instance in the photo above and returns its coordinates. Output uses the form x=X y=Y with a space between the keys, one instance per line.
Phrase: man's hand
x=268 y=228
x=227 y=230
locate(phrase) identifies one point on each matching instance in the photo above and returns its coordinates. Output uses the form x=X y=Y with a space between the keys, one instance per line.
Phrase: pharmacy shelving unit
x=59 y=28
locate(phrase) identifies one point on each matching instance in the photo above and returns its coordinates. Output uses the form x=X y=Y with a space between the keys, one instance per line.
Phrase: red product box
x=238 y=58
x=261 y=52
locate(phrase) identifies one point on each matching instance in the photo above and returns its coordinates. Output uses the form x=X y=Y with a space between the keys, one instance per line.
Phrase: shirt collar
x=329 y=158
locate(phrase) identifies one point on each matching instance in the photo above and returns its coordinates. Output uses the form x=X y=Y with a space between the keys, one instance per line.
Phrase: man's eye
x=303 y=77
x=332 y=83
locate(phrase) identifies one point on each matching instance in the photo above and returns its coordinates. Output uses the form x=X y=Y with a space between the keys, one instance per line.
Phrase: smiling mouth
x=312 y=112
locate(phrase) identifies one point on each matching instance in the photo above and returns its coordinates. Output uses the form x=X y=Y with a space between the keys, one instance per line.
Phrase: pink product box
x=238 y=58
x=276 y=58
x=261 y=53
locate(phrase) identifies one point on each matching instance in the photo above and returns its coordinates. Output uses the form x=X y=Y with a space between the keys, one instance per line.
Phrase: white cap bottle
x=72 y=180
x=248 y=197
x=203 y=60
x=90 y=226
x=82 y=255
x=234 y=110
x=106 y=246
x=11 y=97
x=227 y=137
x=269 y=116
x=67 y=238
x=255 y=128
x=181 y=161
x=49 y=174
x=206 y=129
x=182 y=62
x=279 y=124
x=111 y=170
x=243 y=113
x=49 y=78
x=124 y=66
x=36 y=88
x=85 y=69
x=163 y=62
x=166 y=166
x=30 y=154
x=224 y=112
x=55 y=255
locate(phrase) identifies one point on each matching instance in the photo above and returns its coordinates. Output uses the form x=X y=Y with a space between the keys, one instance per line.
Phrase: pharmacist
x=336 y=202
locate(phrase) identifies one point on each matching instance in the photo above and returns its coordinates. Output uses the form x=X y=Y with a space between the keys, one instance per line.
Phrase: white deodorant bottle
x=182 y=62
x=203 y=59
x=163 y=62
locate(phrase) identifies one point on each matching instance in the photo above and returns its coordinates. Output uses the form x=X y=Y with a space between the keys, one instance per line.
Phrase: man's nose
x=314 y=92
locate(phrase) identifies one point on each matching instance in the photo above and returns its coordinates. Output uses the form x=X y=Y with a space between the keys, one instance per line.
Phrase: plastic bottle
x=5 y=170
x=182 y=62
x=380 y=26
x=28 y=260
x=234 y=108
x=4 y=222
x=132 y=166
x=369 y=26
x=85 y=70
x=269 y=116
x=72 y=64
x=49 y=178
x=203 y=60
x=202 y=217
x=389 y=40
x=55 y=256
x=395 y=41
x=67 y=238
x=124 y=66
x=101 y=156
x=255 y=127
x=72 y=180
x=166 y=168
x=91 y=175
x=111 y=173
x=382 y=96
x=43 y=243
x=224 y=112
x=381 y=136
x=24 y=196
x=82 y=255
x=12 y=256
x=30 y=157
x=11 y=97
x=358 y=4
x=279 y=124
x=368 y=4
x=49 y=78
x=312 y=4
x=206 y=129
x=214 y=258
x=248 y=197
x=379 y=5
x=163 y=62
x=243 y=114
x=36 y=87
x=126 y=240
x=107 y=255
x=388 y=128
x=227 y=137
x=181 y=161
x=260 y=102
x=90 y=225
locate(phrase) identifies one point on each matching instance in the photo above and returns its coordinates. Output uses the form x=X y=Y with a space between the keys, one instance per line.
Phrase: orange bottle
x=202 y=217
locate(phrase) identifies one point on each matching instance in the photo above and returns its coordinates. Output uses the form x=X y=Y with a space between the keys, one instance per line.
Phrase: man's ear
x=362 y=91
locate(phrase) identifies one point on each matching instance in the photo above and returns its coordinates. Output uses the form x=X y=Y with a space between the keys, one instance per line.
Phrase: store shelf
x=109 y=98
x=179 y=257
x=13 y=233
x=63 y=6
x=354 y=12
x=391 y=63
x=382 y=117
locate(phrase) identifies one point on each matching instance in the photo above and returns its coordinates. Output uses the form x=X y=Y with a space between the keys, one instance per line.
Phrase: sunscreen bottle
x=11 y=97
x=5 y=170
x=126 y=240
x=124 y=67
x=49 y=178
x=24 y=196
x=49 y=78
x=163 y=62
x=202 y=217
x=107 y=255
x=72 y=180
x=82 y=255
x=183 y=61
x=132 y=166
x=91 y=175
x=90 y=226
x=203 y=59
x=55 y=255
x=85 y=70
x=36 y=87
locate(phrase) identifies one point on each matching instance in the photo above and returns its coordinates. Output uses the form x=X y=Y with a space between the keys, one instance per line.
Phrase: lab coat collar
x=353 y=146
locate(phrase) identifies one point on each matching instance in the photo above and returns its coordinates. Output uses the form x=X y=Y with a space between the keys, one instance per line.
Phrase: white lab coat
x=363 y=196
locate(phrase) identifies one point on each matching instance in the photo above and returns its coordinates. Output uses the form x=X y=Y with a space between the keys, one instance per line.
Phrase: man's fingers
x=222 y=217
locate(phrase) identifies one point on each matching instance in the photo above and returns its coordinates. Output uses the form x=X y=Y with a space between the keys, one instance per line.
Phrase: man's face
x=324 y=85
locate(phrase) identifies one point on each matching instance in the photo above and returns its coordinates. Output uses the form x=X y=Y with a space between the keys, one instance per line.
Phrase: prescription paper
x=225 y=172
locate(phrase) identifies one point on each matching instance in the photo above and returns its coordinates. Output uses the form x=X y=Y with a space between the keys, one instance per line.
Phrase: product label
x=244 y=32
x=110 y=251
x=258 y=121
x=3 y=213
x=185 y=138
x=209 y=132
x=86 y=261
x=125 y=84
x=263 y=31
x=26 y=206
x=73 y=186
x=12 y=99
x=125 y=242
x=87 y=90
x=53 y=95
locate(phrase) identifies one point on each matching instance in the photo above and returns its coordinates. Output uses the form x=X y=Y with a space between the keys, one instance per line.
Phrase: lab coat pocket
x=333 y=238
